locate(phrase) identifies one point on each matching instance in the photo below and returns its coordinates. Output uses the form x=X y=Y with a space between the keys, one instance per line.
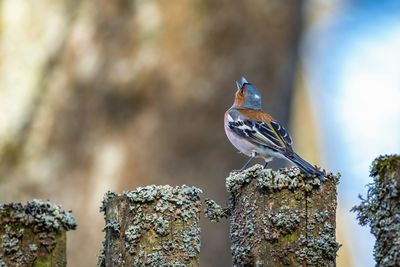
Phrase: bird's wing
x=282 y=133
x=261 y=129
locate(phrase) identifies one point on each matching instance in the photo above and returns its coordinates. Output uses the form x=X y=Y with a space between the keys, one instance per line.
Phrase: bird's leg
x=266 y=164
x=247 y=163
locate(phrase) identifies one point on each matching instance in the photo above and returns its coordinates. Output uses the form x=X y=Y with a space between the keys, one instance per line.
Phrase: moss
x=159 y=226
x=381 y=208
x=289 y=237
x=385 y=166
x=33 y=234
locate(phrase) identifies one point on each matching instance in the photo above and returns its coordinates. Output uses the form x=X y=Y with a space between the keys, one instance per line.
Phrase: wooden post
x=152 y=226
x=381 y=210
x=280 y=218
x=34 y=234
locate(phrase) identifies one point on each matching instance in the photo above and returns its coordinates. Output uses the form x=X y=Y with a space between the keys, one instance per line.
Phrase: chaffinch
x=257 y=134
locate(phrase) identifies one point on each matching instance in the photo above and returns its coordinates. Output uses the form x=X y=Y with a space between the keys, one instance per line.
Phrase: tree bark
x=381 y=210
x=34 y=234
x=152 y=226
x=282 y=218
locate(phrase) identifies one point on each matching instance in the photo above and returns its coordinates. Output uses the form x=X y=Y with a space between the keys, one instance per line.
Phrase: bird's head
x=247 y=95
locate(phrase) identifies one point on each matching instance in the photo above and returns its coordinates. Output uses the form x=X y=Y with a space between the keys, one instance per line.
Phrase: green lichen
x=321 y=216
x=106 y=198
x=381 y=209
x=159 y=226
x=215 y=212
x=286 y=220
x=273 y=211
x=113 y=225
x=315 y=250
x=38 y=214
x=33 y=247
x=132 y=238
x=270 y=180
x=385 y=166
x=11 y=240
x=33 y=233
x=237 y=179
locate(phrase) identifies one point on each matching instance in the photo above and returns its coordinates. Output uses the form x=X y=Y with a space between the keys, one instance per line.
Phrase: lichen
x=132 y=238
x=191 y=241
x=237 y=179
x=106 y=198
x=113 y=225
x=42 y=215
x=33 y=247
x=321 y=216
x=158 y=224
x=323 y=246
x=11 y=240
x=285 y=220
x=273 y=211
x=269 y=180
x=215 y=212
x=381 y=209
x=30 y=233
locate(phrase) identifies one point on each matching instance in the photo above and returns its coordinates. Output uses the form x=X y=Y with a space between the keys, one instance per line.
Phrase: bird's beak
x=238 y=86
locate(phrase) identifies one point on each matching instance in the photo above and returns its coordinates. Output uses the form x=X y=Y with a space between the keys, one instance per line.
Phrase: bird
x=257 y=134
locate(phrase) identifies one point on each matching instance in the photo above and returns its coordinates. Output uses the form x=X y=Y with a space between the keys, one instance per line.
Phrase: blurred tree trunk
x=137 y=97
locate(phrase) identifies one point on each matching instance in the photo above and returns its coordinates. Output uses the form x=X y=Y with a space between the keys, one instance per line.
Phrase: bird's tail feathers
x=305 y=166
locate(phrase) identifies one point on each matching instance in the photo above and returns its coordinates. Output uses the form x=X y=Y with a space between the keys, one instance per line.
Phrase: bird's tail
x=305 y=166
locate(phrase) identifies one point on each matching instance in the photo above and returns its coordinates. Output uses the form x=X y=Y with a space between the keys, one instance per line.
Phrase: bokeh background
x=114 y=94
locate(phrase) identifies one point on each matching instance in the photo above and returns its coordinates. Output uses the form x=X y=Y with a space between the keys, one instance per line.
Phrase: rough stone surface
x=381 y=210
x=33 y=234
x=282 y=218
x=152 y=226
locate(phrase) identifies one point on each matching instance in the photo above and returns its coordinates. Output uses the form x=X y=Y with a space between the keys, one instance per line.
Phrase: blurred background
x=114 y=94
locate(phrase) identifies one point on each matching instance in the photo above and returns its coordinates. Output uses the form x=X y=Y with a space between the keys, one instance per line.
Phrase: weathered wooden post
x=381 y=210
x=152 y=226
x=280 y=218
x=34 y=234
